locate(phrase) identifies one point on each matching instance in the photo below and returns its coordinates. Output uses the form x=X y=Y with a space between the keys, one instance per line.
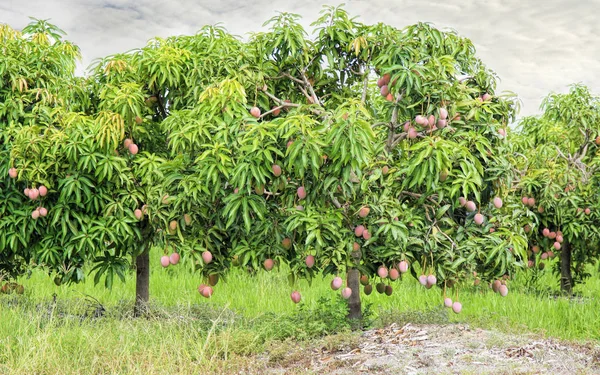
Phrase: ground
x=431 y=349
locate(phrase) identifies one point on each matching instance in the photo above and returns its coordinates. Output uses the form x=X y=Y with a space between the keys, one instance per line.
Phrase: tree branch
x=380 y=124
x=363 y=98
x=310 y=89
x=271 y=111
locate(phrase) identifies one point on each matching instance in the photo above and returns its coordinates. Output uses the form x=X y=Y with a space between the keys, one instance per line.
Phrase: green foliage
x=205 y=162
x=557 y=159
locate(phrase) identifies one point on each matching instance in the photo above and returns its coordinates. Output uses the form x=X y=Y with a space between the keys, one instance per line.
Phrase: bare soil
x=430 y=349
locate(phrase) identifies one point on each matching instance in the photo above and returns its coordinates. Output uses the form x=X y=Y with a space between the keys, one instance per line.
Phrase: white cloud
x=535 y=47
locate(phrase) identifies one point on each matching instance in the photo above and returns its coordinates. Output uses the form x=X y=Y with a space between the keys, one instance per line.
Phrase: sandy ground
x=433 y=349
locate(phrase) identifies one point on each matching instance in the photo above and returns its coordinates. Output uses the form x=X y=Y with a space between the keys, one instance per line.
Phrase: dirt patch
x=433 y=349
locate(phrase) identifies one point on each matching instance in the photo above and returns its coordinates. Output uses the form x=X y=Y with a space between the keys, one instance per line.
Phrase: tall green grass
x=47 y=331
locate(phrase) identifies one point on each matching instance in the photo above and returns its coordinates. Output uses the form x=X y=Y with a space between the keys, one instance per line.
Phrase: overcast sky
x=535 y=46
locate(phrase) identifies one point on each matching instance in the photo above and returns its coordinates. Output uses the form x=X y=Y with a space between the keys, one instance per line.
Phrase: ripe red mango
x=295 y=296
x=276 y=170
x=310 y=261
x=301 y=192
x=207 y=257
x=174 y=258
x=336 y=283
x=268 y=264
x=382 y=272
x=255 y=112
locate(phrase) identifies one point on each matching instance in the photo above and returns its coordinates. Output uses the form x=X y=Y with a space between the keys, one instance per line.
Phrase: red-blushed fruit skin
x=127 y=142
x=276 y=170
x=382 y=272
x=276 y=111
x=286 y=243
x=403 y=266
x=207 y=257
x=26 y=192
x=495 y=285
x=268 y=264
x=200 y=287
x=389 y=97
x=165 y=261
x=384 y=90
x=587 y=211
x=443 y=112
x=550 y=254
x=478 y=219
x=133 y=149
x=524 y=200
x=457 y=307
x=43 y=211
x=497 y=202
x=431 y=280
x=531 y=202
x=503 y=290
x=207 y=292
x=559 y=238
x=385 y=169
x=174 y=258
x=364 y=280
x=346 y=293
x=295 y=296
x=471 y=206
x=336 y=283
x=441 y=124
x=368 y=289
x=502 y=132
x=34 y=194
x=394 y=274
x=557 y=245
x=431 y=120
x=447 y=302
x=358 y=231
x=530 y=264
x=310 y=261
x=35 y=214
x=412 y=133
x=462 y=201
x=364 y=211
x=138 y=214
x=173 y=225
x=187 y=219
x=43 y=190
x=356 y=246
x=535 y=249
x=546 y=232
x=255 y=112
x=423 y=280
x=366 y=235
x=552 y=235
x=12 y=173
x=301 y=192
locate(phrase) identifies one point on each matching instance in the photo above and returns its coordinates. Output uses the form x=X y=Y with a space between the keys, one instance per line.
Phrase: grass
x=52 y=330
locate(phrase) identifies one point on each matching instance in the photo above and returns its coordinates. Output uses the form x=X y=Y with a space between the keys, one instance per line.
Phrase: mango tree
x=363 y=150
x=558 y=167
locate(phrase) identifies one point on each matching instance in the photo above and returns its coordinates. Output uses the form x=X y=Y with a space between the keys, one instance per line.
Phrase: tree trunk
x=142 y=283
x=354 y=309
x=566 y=278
